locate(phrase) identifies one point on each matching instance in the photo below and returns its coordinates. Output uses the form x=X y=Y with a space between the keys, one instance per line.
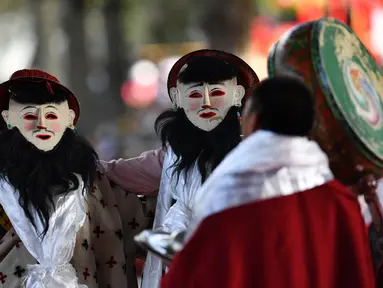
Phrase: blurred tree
x=6 y=6
x=227 y=24
x=119 y=58
x=108 y=107
x=39 y=24
x=73 y=12
x=51 y=43
x=170 y=20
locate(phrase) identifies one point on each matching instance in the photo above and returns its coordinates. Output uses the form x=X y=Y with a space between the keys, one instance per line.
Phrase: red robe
x=314 y=239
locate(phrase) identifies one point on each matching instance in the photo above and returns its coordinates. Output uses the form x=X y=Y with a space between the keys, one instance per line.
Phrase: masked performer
x=69 y=227
x=207 y=88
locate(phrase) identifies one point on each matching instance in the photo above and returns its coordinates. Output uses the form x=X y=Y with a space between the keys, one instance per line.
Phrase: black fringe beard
x=191 y=144
x=38 y=176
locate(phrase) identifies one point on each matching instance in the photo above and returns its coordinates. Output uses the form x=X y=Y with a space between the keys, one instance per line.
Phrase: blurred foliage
x=9 y=5
x=168 y=23
x=227 y=26
x=122 y=31
x=288 y=14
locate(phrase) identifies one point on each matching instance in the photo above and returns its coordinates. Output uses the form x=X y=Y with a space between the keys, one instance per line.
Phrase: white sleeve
x=178 y=217
x=364 y=207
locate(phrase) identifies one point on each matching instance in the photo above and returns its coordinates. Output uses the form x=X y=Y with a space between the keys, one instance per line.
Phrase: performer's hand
x=366 y=186
x=165 y=262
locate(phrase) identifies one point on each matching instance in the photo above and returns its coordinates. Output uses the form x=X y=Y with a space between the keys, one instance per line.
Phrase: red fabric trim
x=33 y=73
x=139 y=266
x=311 y=239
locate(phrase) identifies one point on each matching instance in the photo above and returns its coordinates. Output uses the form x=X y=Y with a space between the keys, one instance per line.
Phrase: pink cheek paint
x=195 y=106
x=29 y=126
x=218 y=103
x=55 y=126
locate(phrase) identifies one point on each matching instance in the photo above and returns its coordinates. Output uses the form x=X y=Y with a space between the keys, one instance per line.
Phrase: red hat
x=246 y=75
x=34 y=74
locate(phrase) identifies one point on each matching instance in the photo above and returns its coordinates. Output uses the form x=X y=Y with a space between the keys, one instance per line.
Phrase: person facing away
x=271 y=214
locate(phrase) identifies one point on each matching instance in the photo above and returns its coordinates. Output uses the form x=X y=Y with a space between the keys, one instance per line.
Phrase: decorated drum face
x=352 y=83
x=348 y=86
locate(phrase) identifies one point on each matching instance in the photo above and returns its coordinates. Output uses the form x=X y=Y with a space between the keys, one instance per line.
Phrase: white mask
x=42 y=125
x=206 y=105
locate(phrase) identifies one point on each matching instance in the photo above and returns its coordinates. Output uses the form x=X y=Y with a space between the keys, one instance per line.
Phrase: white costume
x=171 y=218
x=55 y=250
x=293 y=164
x=206 y=103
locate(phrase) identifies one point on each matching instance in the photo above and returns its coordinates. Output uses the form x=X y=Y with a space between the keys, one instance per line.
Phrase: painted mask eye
x=195 y=95
x=217 y=93
x=51 y=116
x=30 y=117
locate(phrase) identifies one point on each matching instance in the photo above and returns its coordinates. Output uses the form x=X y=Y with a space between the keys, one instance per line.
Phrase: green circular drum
x=348 y=86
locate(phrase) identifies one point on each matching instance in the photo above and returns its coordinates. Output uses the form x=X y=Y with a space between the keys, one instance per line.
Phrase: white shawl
x=168 y=217
x=55 y=250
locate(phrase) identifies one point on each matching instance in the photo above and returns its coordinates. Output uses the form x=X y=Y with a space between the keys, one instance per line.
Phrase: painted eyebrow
x=211 y=83
x=27 y=107
x=50 y=106
x=196 y=85
x=218 y=83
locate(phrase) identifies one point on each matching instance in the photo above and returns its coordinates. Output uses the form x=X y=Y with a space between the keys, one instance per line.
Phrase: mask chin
x=43 y=142
x=207 y=124
x=204 y=124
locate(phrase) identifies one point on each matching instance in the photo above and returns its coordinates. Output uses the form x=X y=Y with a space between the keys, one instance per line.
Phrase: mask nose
x=41 y=122
x=206 y=99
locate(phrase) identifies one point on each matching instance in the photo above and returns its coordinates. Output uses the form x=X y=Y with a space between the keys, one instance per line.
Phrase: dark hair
x=207 y=69
x=191 y=144
x=38 y=175
x=284 y=105
x=37 y=92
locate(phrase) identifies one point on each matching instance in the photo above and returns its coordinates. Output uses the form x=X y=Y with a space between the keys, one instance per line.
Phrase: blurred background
x=115 y=55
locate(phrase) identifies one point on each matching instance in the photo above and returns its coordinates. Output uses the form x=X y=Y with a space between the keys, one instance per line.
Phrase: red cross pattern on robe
x=111 y=262
x=86 y=273
x=3 y=277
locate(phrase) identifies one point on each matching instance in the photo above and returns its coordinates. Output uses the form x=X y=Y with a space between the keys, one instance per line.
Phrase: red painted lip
x=207 y=115
x=43 y=136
